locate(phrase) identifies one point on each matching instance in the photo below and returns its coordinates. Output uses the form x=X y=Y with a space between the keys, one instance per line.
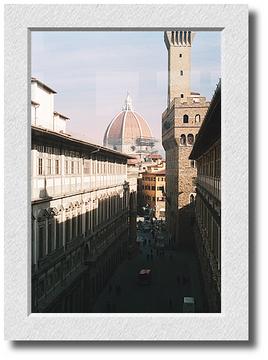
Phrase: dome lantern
x=128 y=103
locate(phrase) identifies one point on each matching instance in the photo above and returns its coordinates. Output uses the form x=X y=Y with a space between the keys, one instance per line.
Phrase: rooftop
x=46 y=87
x=74 y=143
x=61 y=115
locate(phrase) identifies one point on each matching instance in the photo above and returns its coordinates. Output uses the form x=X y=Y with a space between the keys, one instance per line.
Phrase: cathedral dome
x=127 y=129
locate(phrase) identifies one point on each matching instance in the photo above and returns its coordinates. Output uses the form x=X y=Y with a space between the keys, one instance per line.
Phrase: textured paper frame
x=232 y=323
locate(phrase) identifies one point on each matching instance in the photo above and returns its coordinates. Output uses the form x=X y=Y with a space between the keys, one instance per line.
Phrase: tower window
x=181 y=72
x=185 y=119
x=180 y=55
x=192 y=199
x=181 y=95
x=197 y=118
x=183 y=139
x=190 y=139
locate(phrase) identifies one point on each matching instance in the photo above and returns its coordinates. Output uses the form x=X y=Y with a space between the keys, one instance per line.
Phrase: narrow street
x=174 y=276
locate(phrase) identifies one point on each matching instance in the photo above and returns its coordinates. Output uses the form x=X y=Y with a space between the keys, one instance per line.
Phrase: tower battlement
x=178 y=38
x=179 y=45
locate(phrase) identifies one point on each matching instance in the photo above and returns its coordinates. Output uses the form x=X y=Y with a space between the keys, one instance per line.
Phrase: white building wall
x=45 y=111
x=59 y=124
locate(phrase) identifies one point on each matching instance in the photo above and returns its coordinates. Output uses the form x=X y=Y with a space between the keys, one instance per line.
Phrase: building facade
x=207 y=154
x=181 y=122
x=83 y=204
x=153 y=192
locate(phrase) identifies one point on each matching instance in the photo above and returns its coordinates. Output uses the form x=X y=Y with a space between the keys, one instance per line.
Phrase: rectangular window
x=40 y=166
x=66 y=167
x=72 y=167
x=57 y=167
x=181 y=73
x=48 y=166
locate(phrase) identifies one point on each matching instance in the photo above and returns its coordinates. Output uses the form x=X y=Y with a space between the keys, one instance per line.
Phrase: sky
x=92 y=71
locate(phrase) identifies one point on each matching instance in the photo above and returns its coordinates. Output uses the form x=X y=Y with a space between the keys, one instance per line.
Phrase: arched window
x=185 y=119
x=183 y=139
x=191 y=198
x=190 y=139
x=197 y=118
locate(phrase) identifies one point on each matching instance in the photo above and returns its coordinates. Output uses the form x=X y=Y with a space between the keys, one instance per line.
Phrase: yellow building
x=153 y=190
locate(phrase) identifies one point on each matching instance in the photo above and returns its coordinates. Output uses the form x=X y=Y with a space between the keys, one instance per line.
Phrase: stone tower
x=180 y=124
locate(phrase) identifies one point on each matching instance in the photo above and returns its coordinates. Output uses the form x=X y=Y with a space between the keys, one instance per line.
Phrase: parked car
x=145 y=276
x=188 y=305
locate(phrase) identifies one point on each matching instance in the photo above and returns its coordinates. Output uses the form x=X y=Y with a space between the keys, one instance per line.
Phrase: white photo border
x=232 y=322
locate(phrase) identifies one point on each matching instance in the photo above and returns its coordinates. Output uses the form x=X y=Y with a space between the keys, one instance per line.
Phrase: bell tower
x=181 y=122
x=179 y=45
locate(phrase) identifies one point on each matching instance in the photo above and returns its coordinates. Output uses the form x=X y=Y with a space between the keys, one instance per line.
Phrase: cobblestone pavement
x=174 y=275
